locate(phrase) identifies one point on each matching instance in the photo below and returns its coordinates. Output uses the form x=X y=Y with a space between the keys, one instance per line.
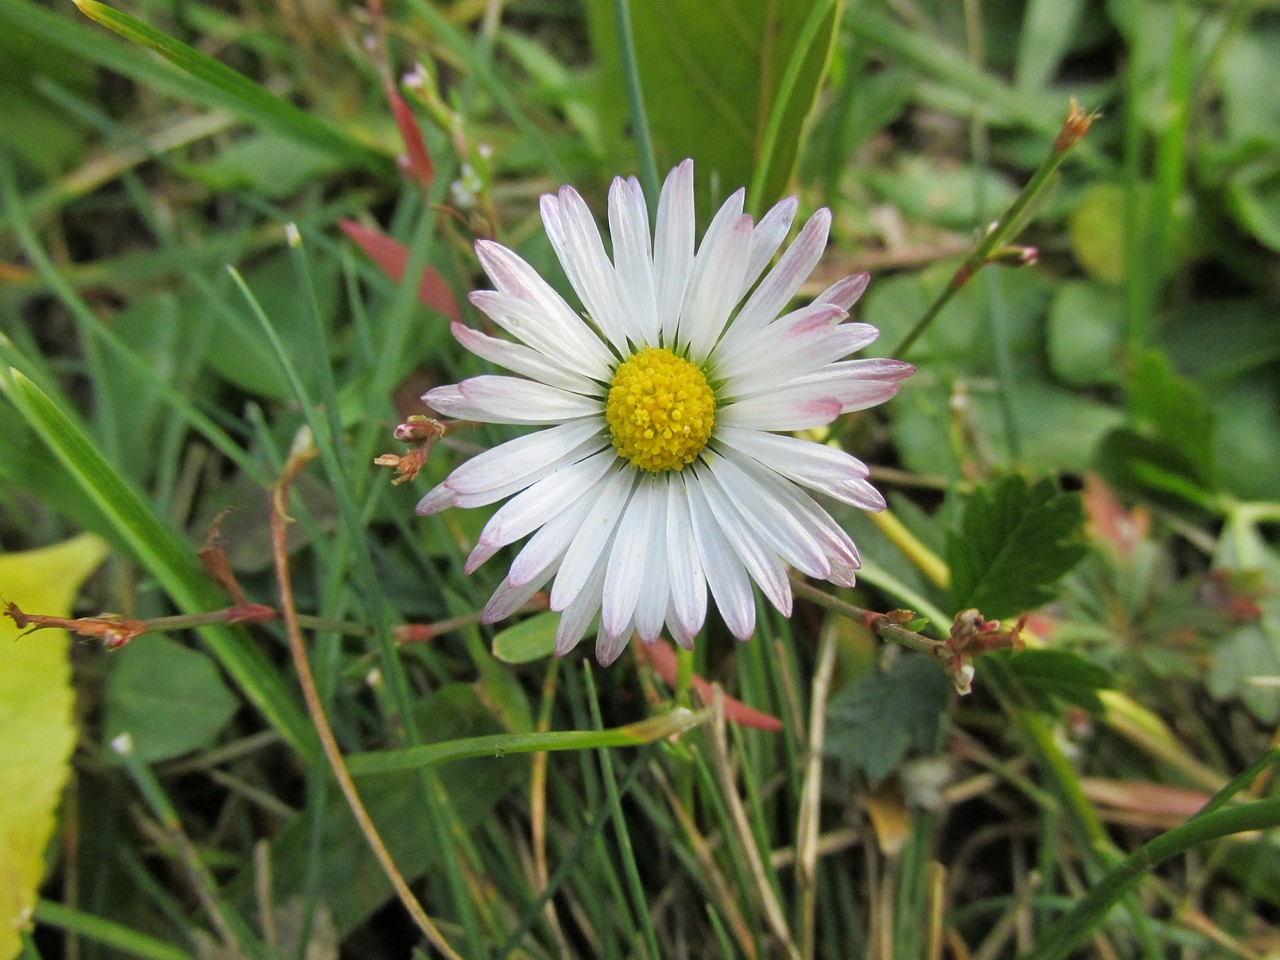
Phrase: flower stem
x=994 y=247
x=635 y=101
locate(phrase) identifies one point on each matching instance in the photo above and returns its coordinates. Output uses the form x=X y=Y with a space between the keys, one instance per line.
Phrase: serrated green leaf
x=873 y=723
x=1174 y=410
x=1046 y=675
x=1013 y=544
x=528 y=640
x=168 y=719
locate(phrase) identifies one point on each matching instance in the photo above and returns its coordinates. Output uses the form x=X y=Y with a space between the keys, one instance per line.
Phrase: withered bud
x=973 y=634
x=418 y=429
x=407 y=467
x=1074 y=127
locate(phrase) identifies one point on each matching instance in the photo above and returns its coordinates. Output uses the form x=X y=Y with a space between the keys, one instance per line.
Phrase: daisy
x=663 y=466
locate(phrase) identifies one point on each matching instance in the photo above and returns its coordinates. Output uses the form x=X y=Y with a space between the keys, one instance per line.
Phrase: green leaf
x=1253 y=197
x=267 y=163
x=1049 y=28
x=168 y=698
x=945 y=196
x=528 y=640
x=1048 y=675
x=1086 y=332
x=1013 y=544
x=873 y=723
x=1171 y=408
x=1168 y=451
x=37 y=717
x=728 y=84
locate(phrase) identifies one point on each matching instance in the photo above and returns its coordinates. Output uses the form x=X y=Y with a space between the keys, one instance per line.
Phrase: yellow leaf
x=36 y=717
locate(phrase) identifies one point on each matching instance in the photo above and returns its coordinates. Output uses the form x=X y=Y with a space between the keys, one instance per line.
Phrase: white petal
x=533 y=455
x=588 y=544
x=609 y=647
x=814 y=523
x=576 y=239
x=839 y=381
x=766 y=238
x=546 y=547
x=494 y=399
x=784 y=363
x=673 y=247
x=677 y=630
x=776 y=527
x=628 y=565
x=735 y=356
x=629 y=230
x=726 y=576
x=782 y=411
x=713 y=288
x=524 y=360
x=845 y=293
x=542 y=501
x=547 y=323
x=761 y=561
x=688 y=582
x=577 y=616
x=509 y=598
x=876 y=368
x=816 y=466
x=782 y=282
x=438 y=498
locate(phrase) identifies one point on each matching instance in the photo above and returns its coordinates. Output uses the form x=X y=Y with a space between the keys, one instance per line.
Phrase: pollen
x=660 y=410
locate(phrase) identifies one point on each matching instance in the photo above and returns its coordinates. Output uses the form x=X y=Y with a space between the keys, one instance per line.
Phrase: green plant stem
x=634 y=884
x=635 y=103
x=1000 y=233
x=684 y=675
x=1068 y=931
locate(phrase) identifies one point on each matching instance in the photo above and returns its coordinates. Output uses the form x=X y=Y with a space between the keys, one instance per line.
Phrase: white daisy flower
x=663 y=467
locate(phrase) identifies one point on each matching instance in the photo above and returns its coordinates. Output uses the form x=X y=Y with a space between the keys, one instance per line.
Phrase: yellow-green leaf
x=36 y=717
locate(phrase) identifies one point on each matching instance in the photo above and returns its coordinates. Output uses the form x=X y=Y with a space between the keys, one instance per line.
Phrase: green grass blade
x=106 y=932
x=1062 y=936
x=238 y=93
x=632 y=735
x=163 y=554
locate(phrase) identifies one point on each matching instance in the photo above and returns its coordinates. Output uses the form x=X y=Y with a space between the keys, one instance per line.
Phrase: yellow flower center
x=660 y=410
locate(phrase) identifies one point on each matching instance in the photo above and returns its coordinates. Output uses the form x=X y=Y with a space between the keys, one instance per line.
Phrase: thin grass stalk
x=232 y=931
x=807 y=827
x=584 y=838
x=329 y=744
x=758 y=871
x=621 y=833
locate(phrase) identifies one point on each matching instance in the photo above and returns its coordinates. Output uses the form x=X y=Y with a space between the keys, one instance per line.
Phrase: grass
x=187 y=330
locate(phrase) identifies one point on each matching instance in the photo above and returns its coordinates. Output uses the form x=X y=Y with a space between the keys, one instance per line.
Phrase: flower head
x=664 y=468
